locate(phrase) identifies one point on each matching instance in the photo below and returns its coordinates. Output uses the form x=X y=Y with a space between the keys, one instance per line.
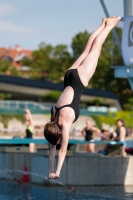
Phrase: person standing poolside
x=29 y=129
x=120 y=131
x=66 y=110
x=88 y=133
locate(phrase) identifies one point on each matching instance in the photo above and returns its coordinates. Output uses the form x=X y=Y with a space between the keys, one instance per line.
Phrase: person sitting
x=118 y=136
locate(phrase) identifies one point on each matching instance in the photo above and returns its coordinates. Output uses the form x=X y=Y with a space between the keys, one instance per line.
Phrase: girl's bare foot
x=111 y=17
x=113 y=21
x=104 y=20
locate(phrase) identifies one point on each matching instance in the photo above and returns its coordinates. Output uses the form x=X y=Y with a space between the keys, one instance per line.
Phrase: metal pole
x=113 y=31
x=127 y=4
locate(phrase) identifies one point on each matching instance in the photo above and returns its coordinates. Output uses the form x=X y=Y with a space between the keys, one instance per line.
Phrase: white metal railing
x=22 y=105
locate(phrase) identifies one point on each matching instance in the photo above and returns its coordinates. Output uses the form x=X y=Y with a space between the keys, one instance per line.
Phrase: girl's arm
x=63 y=149
x=96 y=130
x=51 y=160
x=83 y=132
x=122 y=134
x=28 y=116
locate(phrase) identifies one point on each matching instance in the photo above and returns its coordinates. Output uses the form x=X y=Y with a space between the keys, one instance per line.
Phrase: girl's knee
x=96 y=51
x=87 y=49
x=96 y=47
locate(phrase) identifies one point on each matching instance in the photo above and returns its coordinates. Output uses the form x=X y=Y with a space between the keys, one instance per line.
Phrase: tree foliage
x=4 y=96
x=49 y=63
x=52 y=96
x=79 y=43
x=6 y=67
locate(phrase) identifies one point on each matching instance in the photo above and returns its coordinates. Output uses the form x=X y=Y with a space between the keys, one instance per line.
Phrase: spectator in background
x=88 y=132
x=106 y=136
x=29 y=129
x=119 y=135
x=132 y=133
x=121 y=131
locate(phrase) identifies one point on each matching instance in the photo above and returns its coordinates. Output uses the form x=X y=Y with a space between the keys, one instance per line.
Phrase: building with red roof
x=15 y=55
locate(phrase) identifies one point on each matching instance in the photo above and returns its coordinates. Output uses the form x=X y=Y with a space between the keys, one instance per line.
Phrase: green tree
x=129 y=104
x=49 y=63
x=59 y=63
x=52 y=96
x=4 y=66
x=4 y=96
x=78 y=43
x=14 y=71
x=97 y=101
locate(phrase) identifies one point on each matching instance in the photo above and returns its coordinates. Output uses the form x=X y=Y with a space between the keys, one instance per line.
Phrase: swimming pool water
x=14 y=191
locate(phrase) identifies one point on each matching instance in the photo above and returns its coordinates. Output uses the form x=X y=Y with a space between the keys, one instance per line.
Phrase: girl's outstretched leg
x=88 y=66
x=89 y=44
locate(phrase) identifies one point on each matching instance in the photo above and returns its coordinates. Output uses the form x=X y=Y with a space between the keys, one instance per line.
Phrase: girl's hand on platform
x=53 y=176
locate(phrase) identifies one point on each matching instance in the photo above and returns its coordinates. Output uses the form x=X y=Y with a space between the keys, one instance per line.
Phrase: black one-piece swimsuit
x=72 y=79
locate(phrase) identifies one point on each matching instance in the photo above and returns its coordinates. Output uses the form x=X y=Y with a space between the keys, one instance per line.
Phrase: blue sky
x=30 y=22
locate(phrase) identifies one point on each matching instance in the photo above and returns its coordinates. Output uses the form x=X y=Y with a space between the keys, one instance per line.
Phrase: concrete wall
x=13 y=162
x=79 y=169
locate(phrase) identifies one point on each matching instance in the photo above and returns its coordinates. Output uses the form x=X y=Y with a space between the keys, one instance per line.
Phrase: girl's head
x=88 y=123
x=27 y=119
x=52 y=131
x=120 y=123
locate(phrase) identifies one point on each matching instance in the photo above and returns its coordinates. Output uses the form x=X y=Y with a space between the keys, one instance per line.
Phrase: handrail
x=21 y=104
x=43 y=141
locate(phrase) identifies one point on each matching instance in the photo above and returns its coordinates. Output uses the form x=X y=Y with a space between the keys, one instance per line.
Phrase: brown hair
x=51 y=130
x=123 y=123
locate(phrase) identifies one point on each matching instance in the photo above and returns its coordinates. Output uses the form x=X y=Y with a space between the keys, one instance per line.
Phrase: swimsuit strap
x=67 y=105
x=58 y=109
x=28 y=128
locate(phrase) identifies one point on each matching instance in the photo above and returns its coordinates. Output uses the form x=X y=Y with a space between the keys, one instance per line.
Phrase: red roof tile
x=14 y=52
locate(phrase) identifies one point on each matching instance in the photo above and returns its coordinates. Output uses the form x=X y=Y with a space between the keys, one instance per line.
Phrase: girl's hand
x=53 y=176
